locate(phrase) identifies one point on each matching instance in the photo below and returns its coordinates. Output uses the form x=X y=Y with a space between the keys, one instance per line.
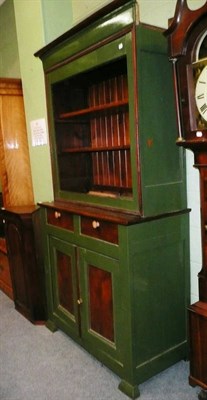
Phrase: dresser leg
x=131 y=391
x=202 y=395
x=51 y=325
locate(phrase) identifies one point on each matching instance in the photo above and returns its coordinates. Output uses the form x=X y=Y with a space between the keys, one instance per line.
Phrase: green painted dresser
x=116 y=235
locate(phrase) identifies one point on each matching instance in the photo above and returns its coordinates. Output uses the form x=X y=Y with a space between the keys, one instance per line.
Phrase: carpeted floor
x=36 y=364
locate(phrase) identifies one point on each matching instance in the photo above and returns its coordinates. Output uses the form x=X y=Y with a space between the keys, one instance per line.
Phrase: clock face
x=201 y=93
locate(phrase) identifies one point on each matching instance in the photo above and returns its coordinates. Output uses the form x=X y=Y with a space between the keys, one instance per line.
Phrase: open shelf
x=94 y=149
x=114 y=107
x=92 y=131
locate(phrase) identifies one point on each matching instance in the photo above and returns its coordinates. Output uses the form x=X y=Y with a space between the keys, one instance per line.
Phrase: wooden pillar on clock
x=187 y=39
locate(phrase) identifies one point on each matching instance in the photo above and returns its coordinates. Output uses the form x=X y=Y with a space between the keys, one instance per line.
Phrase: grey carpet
x=36 y=364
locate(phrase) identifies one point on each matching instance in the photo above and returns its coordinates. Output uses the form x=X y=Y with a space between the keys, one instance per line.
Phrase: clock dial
x=201 y=93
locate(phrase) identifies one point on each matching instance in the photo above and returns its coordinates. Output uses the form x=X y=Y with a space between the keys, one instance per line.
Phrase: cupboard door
x=21 y=230
x=18 y=265
x=99 y=292
x=64 y=286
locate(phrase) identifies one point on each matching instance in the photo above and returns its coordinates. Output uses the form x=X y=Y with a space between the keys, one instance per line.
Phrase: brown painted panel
x=65 y=286
x=101 y=302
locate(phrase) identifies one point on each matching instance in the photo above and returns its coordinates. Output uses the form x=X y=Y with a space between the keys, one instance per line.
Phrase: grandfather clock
x=187 y=36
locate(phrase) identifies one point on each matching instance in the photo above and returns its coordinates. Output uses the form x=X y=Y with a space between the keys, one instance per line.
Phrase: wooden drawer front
x=99 y=229
x=60 y=219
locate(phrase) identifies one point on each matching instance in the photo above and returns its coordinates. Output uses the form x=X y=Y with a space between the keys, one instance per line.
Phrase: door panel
x=99 y=291
x=64 y=285
x=65 y=282
x=101 y=302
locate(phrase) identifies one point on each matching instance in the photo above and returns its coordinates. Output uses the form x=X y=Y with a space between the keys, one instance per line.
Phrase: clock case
x=198 y=97
x=186 y=34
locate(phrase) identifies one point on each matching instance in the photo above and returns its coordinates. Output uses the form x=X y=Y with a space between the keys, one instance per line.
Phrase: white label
x=39 y=132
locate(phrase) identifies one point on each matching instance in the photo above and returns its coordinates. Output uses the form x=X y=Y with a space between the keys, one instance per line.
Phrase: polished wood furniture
x=15 y=173
x=15 y=169
x=187 y=37
x=22 y=234
x=116 y=235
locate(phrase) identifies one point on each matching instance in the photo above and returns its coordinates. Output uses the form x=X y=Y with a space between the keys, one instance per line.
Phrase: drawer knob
x=205 y=227
x=95 y=224
x=79 y=301
x=57 y=214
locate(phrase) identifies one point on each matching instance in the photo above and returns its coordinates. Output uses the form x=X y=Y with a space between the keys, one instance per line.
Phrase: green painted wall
x=9 y=57
x=30 y=35
x=38 y=22
x=57 y=18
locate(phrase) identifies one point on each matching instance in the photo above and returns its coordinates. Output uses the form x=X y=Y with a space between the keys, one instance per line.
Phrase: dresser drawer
x=60 y=219
x=99 y=229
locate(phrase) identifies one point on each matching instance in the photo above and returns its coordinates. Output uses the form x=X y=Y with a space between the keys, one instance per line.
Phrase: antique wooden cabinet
x=20 y=263
x=116 y=235
x=15 y=173
x=187 y=35
x=21 y=226
x=14 y=154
